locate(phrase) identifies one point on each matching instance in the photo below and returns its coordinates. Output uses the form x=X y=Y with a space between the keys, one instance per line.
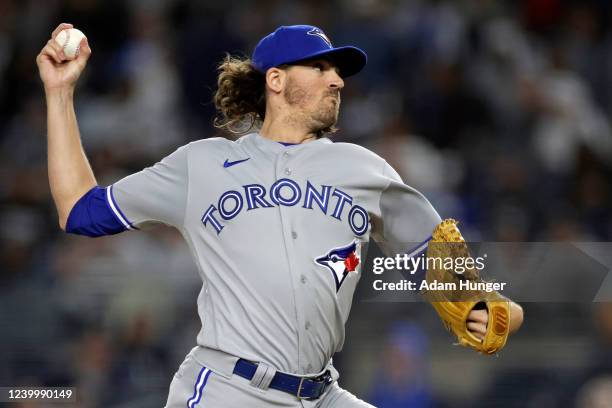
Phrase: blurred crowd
x=498 y=111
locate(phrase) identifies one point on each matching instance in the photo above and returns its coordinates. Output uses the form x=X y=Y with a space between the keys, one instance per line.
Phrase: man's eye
x=318 y=67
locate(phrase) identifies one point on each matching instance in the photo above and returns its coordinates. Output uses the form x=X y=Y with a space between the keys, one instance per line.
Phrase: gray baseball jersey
x=275 y=231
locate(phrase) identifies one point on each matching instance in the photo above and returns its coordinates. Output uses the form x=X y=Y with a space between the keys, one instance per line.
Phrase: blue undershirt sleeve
x=92 y=215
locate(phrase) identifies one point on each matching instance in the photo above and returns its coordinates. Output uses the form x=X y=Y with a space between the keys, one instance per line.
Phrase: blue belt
x=301 y=387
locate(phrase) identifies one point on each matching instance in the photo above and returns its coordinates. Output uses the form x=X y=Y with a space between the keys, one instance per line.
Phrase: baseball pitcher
x=275 y=221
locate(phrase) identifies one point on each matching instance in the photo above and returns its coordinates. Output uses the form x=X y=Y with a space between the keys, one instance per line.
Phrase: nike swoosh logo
x=228 y=163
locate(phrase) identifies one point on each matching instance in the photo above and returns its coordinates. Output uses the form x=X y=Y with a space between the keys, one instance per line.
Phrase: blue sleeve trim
x=110 y=200
x=419 y=274
x=92 y=216
x=419 y=248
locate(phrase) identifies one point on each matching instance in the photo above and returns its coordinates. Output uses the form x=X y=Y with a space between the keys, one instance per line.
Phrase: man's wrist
x=59 y=92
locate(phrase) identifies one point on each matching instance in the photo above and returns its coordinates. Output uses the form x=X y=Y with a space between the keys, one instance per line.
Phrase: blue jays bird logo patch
x=320 y=34
x=341 y=261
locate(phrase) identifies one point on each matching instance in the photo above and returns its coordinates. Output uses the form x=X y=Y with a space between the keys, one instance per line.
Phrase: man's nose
x=336 y=80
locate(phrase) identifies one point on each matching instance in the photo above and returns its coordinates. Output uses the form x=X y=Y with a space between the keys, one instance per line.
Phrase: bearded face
x=314 y=102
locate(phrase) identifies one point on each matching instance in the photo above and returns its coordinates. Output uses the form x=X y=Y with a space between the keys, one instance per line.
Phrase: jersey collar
x=272 y=146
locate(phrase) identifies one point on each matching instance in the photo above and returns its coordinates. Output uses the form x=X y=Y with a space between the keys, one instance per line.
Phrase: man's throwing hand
x=56 y=70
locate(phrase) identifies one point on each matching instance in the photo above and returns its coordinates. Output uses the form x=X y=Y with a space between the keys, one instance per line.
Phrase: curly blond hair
x=240 y=98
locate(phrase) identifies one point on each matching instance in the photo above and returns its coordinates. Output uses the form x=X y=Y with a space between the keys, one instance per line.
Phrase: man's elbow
x=90 y=216
x=63 y=220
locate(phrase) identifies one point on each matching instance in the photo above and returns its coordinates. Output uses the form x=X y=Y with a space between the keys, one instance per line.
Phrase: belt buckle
x=325 y=378
x=299 y=391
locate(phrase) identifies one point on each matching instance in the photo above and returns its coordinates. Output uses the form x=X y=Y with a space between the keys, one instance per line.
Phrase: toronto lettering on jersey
x=287 y=192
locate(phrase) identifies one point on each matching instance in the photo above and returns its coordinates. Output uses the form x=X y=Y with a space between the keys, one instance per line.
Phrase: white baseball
x=70 y=40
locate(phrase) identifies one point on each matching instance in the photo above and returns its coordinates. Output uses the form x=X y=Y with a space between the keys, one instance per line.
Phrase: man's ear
x=275 y=79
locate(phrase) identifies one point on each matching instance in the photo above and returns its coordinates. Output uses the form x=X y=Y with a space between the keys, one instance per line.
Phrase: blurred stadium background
x=498 y=111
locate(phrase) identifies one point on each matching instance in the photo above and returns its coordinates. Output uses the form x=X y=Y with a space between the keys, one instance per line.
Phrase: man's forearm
x=70 y=175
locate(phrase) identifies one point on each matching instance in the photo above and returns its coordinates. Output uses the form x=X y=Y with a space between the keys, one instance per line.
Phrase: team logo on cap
x=341 y=261
x=321 y=34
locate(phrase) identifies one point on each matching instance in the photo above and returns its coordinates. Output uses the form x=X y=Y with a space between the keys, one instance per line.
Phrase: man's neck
x=285 y=132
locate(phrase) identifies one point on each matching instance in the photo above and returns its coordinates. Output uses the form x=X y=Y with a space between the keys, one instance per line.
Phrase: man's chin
x=329 y=119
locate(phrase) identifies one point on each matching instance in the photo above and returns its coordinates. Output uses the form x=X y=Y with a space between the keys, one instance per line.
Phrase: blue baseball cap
x=291 y=44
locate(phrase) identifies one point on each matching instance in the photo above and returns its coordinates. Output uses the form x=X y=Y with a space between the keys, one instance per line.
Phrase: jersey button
x=285 y=155
x=293 y=234
x=307 y=325
x=309 y=368
x=303 y=279
x=288 y=171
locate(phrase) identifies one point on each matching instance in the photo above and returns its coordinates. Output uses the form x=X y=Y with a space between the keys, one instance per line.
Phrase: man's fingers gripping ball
x=62 y=26
x=69 y=41
x=54 y=51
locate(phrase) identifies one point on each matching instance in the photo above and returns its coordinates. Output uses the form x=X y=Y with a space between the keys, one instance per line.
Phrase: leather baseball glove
x=455 y=302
